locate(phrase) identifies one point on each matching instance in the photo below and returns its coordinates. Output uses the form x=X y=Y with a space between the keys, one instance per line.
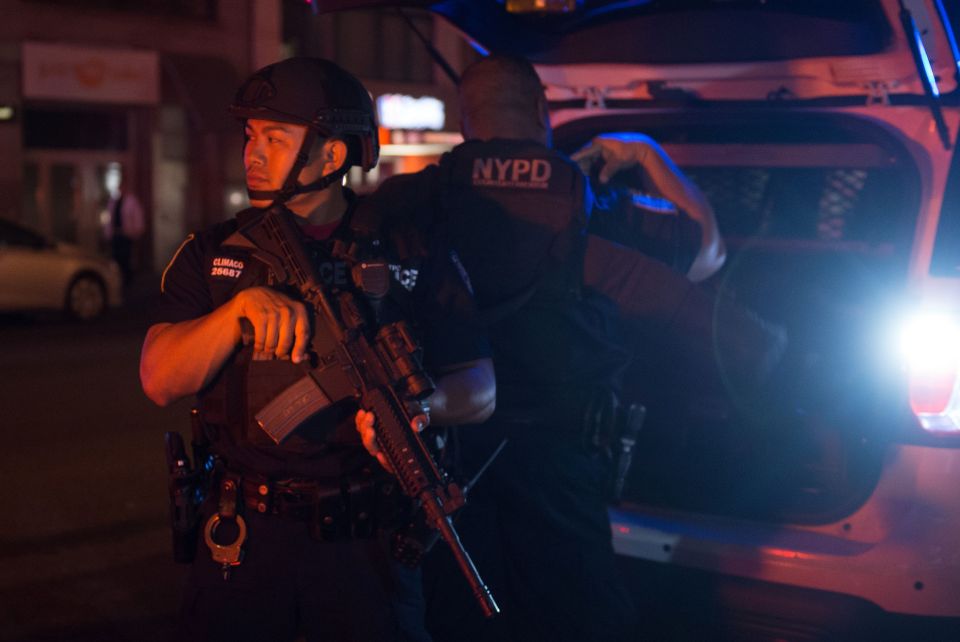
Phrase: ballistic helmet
x=325 y=98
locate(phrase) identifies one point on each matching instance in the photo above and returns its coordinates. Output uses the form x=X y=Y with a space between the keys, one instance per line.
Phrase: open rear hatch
x=762 y=103
x=711 y=49
x=818 y=210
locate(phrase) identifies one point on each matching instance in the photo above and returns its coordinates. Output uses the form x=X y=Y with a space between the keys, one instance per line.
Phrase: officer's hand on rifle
x=280 y=326
x=368 y=434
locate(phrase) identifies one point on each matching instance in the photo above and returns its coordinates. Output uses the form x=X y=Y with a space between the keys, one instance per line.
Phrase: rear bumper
x=677 y=603
x=899 y=551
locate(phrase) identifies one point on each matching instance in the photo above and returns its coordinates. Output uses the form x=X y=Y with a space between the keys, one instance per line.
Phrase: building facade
x=94 y=89
x=417 y=100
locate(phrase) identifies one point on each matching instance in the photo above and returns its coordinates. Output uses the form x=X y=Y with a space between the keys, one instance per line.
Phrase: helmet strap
x=324 y=181
x=290 y=187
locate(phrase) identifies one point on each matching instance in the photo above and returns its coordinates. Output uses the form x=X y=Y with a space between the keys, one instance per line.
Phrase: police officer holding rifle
x=293 y=324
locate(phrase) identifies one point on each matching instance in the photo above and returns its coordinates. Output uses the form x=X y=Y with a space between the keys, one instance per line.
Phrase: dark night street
x=84 y=546
x=671 y=289
x=85 y=552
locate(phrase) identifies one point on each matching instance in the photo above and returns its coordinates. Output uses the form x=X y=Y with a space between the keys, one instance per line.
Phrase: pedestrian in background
x=124 y=227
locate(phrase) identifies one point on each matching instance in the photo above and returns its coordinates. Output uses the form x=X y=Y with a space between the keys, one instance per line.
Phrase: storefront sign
x=88 y=74
x=399 y=111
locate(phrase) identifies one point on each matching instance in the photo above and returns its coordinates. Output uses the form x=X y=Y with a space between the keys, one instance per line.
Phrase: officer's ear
x=333 y=154
x=466 y=124
x=543 y=115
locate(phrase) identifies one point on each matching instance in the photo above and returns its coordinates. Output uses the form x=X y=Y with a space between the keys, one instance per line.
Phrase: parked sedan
x=40 y=274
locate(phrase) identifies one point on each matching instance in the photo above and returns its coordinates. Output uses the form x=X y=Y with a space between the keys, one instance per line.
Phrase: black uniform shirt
x=204 y=274
x=507 y=206
x=612 y=267
x=630 y=301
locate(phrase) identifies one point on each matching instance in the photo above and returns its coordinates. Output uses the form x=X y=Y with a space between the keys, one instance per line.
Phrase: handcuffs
x=227 y=555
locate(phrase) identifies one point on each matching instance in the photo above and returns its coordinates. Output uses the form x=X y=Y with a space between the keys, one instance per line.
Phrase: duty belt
x=348 y=508
x=586 y=414
x=593 y=416
x=352 y=508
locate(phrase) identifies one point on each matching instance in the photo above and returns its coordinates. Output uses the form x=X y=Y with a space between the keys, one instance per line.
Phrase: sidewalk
x=85 y=547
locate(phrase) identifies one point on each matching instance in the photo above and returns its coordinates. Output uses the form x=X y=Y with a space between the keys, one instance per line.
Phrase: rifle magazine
x=291 y=408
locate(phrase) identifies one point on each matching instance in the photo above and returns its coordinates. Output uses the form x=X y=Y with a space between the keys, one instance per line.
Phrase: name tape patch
x=226 y=267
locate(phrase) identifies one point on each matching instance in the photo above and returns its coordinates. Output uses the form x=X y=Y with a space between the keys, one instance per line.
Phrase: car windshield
x=16 y=236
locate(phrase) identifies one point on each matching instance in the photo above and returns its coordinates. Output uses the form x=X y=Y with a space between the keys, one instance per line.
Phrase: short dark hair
x=501 y=86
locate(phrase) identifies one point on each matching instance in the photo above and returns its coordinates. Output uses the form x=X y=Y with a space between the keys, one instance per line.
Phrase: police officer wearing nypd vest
x=309 y=517
x=565 y=311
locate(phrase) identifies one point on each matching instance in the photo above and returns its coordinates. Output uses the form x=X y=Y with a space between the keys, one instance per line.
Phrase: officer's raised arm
x=661 y=175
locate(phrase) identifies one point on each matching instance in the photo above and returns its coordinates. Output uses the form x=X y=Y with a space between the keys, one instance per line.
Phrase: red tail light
x=930 y=343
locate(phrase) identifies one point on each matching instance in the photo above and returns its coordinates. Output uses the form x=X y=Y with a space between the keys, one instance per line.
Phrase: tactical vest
x=516 y=212
x=244 y=386
x=498 y=196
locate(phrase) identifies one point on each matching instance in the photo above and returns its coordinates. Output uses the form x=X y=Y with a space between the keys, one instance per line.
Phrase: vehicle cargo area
x=817 y=212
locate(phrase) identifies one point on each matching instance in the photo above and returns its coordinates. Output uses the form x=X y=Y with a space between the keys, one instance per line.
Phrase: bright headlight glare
x=930 y=343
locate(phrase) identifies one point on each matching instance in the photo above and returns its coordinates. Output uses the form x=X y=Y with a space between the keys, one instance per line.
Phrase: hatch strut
x=436 y=55
x=925 y=72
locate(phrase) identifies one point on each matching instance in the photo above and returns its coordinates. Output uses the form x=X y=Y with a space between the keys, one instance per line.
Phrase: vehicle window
x=16 y=236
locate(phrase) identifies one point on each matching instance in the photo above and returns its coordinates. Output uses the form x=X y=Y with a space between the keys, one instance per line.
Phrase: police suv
x=824 y=134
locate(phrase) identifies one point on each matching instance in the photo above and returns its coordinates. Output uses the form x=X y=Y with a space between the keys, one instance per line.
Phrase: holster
x=187 y=488
x=600 y=422
x=630 y=422
x=610 y=430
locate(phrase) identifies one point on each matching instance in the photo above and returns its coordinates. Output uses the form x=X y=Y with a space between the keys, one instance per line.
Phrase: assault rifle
x=379 y=368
